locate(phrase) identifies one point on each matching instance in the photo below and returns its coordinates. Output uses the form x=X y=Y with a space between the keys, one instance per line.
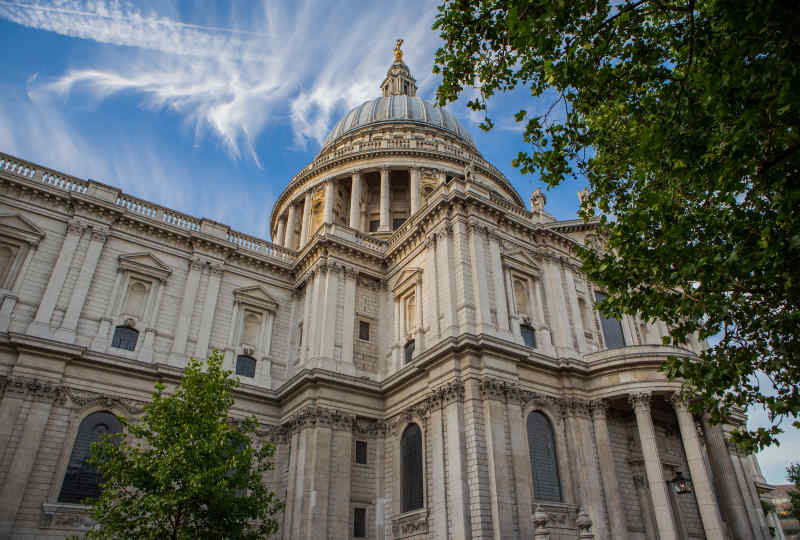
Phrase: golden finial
x=398 y=53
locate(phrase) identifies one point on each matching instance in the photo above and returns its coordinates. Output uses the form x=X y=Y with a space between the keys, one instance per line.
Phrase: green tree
x=186 y=470
x=684 y=116
x=793 y=473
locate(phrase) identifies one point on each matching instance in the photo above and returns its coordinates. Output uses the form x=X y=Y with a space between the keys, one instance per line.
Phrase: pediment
x=145 y=263
x=407 y=277
x=255 y=296
x=18 y=226
x=521 y=259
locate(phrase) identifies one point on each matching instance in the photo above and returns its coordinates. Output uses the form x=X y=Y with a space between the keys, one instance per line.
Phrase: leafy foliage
x=793 y=473
x=684 y=117
x=186 y=470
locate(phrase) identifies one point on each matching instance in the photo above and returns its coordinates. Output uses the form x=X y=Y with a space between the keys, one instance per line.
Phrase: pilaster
x=209 y=307
x=608 y=470
x=703 y=490
x=185 y=314
x=384 y=226
x=40 y=326
x=655 y=470
x=355 y=201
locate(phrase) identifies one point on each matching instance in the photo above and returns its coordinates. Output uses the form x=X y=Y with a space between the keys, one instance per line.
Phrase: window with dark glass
x=374 y=224
x=612 y=329
x=125 y=337
x=408 y=351
x=546 y=485
x=528 y=335
x=82 y=480
x=359 y=523
x=363 y=330
x=411 y=468
x=245 y=366
x=396 y=222
x=361 y=452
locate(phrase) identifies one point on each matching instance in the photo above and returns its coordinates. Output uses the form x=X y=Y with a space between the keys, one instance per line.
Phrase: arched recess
x=544 y=461
x=80 y=479
x=411 y=469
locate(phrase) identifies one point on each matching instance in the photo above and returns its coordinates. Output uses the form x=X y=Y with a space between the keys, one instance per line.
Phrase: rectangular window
x=396 y=222
x=374 y=224
x=528 y=335
x=361 y=452
x=612 y=328
x=408 y=351
x=363 y=330
x=359 y=523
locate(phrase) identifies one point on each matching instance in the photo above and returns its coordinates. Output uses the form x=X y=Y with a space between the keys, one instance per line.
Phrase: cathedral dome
x=396 y=109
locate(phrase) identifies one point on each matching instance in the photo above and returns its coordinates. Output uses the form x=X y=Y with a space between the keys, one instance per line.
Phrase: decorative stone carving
x=640 y=400
x=538 y=200
x=36 y=390
x=410 y=525
x=82 y=398
x=66 y=516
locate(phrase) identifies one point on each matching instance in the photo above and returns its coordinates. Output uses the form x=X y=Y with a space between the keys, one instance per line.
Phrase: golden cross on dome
x=398 y=53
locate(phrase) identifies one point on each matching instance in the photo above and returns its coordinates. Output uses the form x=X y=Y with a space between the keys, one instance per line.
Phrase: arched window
x=82 y=479
x=411 y=468
x=546 y=485
x=125 y=337
x=245 y=366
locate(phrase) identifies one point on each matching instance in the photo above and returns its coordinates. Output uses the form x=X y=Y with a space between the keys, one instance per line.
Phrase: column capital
x=640 y=400
x=99 y=234
x=76 y=226
x=679 y=403
x=599 y=408
x=197 y=263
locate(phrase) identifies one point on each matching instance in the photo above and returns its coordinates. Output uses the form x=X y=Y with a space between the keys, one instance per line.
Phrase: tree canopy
x=186 y=470
x=684 y=116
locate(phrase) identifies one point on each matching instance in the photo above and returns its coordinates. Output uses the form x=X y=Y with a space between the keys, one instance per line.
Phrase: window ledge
x=66 y=516
x=410 y=523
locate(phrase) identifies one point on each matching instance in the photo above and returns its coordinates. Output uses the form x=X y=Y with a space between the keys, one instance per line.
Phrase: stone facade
x=461 y=312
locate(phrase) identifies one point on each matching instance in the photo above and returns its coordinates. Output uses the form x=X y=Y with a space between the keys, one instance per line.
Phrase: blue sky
x=211 y=108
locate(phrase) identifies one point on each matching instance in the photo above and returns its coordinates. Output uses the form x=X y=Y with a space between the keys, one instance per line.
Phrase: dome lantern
x=398 y=81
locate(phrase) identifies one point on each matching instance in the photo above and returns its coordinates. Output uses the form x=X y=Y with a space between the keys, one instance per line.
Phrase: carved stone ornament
x=76 y=226
x=37 y=390
x=66 y=516
x=312 y=415
x=82 y=398
x=640 y=400
x=599 y=408
x=495 y=389
x=410 y=525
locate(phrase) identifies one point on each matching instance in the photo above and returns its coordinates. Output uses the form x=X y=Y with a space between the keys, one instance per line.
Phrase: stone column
x=703 y=490
x=501 y=302
x=340 y=477
x=414 y=188
x=185 y=314
x=752 y=502
x=42 y=396
x=655 y=470
x=385 y=225
x=289 y=240
x=279 y=234
x=438 y=495
x=318 y=478
x=608 y=470
x=730 y=498
x=304 y=223
x=431 y=297
x=501 y=490
x=209 y=307
x=521 y=462
x=329 y=195
x=452 y=399
x=349 y=322
x=67 y=330
x=590 y=487
x=328 y=329
x=355 y=201
x=40 y=326
x=480 y=279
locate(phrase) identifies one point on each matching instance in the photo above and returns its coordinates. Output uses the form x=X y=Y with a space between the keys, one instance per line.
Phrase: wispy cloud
x=300 y=66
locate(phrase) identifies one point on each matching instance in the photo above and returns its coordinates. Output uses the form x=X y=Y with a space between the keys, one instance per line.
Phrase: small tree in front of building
x=793 y=472
x=186 y=470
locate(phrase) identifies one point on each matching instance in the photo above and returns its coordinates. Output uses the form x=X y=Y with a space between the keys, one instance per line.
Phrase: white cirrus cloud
x=299 y=66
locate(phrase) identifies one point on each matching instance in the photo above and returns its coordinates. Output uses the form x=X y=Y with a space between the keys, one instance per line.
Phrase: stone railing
x=37 y=173
x=144 y=209
x=357 y=237
x=508 y=205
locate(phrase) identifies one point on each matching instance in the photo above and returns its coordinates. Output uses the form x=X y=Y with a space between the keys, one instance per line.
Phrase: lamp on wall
x=680 y=484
